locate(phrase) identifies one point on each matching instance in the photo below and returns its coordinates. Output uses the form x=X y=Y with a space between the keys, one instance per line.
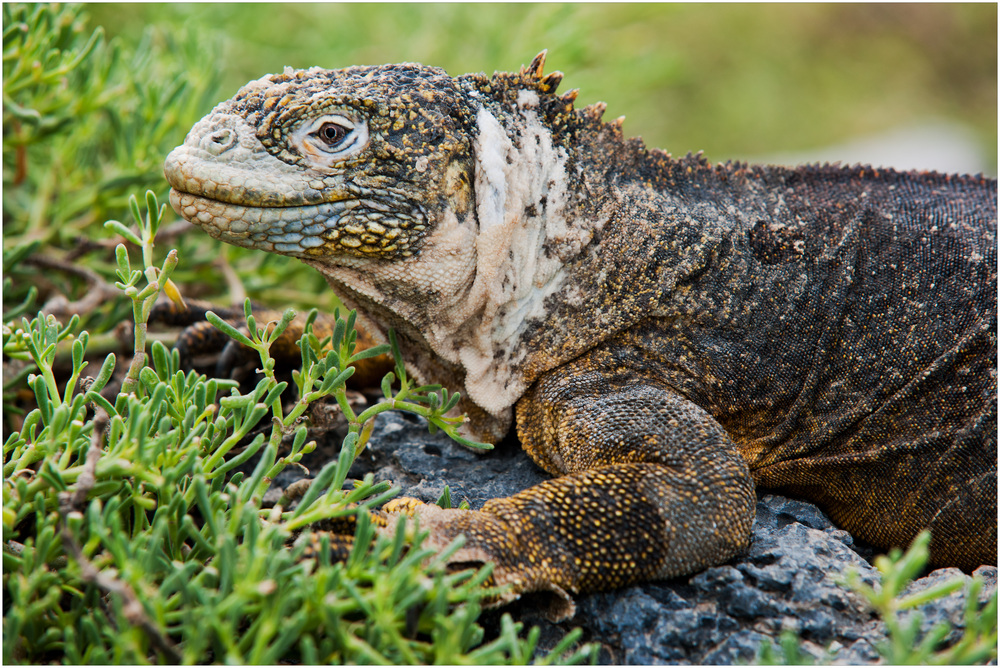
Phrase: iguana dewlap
x=667 y=333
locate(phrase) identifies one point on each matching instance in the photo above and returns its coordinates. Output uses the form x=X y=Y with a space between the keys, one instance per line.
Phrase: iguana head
x=324 y=163
x=444 y=207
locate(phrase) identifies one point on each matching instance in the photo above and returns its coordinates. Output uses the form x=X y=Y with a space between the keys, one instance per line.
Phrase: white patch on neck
x=490 y=282
x=492 y=148
x=523 y=244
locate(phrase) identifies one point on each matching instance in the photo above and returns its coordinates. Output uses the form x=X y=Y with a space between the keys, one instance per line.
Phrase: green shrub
x=129 y=536
x=128 y=539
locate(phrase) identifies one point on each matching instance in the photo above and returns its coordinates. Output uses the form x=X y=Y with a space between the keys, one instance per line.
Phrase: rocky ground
x=789 y=579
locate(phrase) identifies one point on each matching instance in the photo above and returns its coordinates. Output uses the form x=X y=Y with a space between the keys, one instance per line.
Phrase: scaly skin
x=668 y=332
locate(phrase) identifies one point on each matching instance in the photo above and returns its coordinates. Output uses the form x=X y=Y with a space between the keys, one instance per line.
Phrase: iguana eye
x=331 y=138
x=332 y=134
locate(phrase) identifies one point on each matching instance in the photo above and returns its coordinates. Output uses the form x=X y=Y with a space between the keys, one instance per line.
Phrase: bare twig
x=237 y=292
x=167 y=233
x=98 y=292
x=46 y=262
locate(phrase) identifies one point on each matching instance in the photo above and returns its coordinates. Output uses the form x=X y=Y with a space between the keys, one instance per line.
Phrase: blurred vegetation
x=730 y=79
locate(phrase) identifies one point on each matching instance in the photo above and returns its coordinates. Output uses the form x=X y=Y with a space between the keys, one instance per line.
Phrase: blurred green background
x=734 y=80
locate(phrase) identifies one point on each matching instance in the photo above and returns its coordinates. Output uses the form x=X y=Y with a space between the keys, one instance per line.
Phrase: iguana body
x=667 y=332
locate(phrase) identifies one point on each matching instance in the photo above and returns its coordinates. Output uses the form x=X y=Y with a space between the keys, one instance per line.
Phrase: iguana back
x=842 y=330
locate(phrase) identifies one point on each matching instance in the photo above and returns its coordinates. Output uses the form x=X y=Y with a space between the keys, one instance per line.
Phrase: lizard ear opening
x=330 y=138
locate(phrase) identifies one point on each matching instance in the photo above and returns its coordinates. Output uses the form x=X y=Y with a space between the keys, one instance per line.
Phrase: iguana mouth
x=312 y=230
x=234 y=202
x=226 y=177
x=282 y=229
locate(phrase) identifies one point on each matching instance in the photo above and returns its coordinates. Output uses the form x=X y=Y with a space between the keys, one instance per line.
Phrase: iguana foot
x=488 y=539
x=596 y=529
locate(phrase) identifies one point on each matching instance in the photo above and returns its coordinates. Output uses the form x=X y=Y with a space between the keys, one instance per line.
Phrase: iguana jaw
x=299 y=231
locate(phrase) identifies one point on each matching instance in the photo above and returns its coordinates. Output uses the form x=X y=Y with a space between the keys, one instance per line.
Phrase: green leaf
x=331 y=383
x=104 y=375
x=96 y=398
x=130 y=236
x=133 y=205
x=368 y=353
x=153 y=212
x=228 y=329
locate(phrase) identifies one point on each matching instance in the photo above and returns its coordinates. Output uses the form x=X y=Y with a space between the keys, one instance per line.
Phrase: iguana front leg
x=651 y=487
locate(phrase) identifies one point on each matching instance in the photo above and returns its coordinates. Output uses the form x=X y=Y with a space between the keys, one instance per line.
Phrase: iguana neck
x=563 y=200
x=524 y=290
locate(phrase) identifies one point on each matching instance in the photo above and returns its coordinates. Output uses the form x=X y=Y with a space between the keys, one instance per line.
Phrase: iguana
x=667 y=333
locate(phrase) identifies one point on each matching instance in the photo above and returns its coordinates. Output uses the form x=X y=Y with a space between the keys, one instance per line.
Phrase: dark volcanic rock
x=790 y=578
x=402 y=452
x=787 y=580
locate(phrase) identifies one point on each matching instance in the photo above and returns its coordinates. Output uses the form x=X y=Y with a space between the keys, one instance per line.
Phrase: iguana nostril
x=219 y=141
